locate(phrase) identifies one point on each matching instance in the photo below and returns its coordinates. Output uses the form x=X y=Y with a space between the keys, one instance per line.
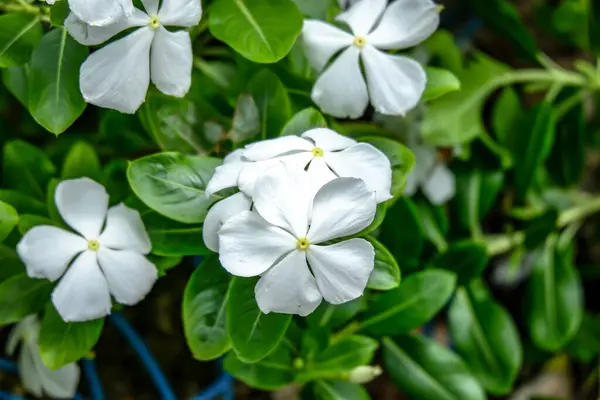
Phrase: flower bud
x=364 y=374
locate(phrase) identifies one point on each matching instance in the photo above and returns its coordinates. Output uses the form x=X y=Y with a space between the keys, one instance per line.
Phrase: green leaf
x=26 y=169
x=19 y=35
x=554 y=303
x=20 y=296
x=16 y=80
x=246 y=121
x=418 y=299
x=8 y=219
x=82 y=161
x=405 y=241
x=339 y=390
x=10 y=261
x=272 y=101
x=302 y=121
x=586 y=344
x=28 y=221
x=204 y=311
x=507 y=113
x=533 y=144
x=262 y=31
x=424 y=370
x=55 y=100
x=173 y=184
x=51 y=202
x=538 y=229
x=59 y=12
x=253 y=335
x=467 y=259
x=271 y=373
x=439 y=82
x=172 y=238
x=63 y=342
x=485 y=335
x=23 y=203
x=333 y=316
x=386 y=273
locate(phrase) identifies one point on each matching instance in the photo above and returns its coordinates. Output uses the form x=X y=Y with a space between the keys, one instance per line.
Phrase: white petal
x=117 y=76
x=46 y=251
x=130 y=275
x=151 y=7
x=328 y=139
x=226 y=175
x=341 y=90
x=82 y=294
x=61 y=383
x=342 y=269
x=396 y=83
x=252 y=171
x=267 y=149
x=362 y=16
x=365 y=162
x=171 y=66
x=30 y=377
x=249 y=245
x=180 y=12
x=101 y=12
x=322 y=41
x=125 y=230
x=320 y=174
x=440 y=186
x=405 y=23
x=342 y=207
x=283 y=197
x=219 y=214
x=288 y=287
x=83 y=204
x=94 y=35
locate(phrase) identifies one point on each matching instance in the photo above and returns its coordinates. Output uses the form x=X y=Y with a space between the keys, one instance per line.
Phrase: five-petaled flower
x=100 y=12
x=118 y=75
x=394 y=83
x=290 y=229
x=106 y=257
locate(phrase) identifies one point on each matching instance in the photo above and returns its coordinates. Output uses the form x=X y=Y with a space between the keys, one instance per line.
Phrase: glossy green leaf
x=63 y=342
x=26 y=169
x=467 y=259
x=333 y=316
x=271 y=373
x=424 y=370
x=19 y=35
x=59 y=13
x=16 y=80
x=586 y=344
x=21 y=295
x=302 y=121
x=28 y=221
x=23 y=203
x=486 y=337
x=272 y=100
x=172 y=238
x=507 y=114
x=8 y=219
x=82 y=161
x=386 y=273
x=253 y=335
x=55 y=100
x=204 y=311
x=439 y=82
x=10 y=261
x=246 y=120
x=405 y=241
x=174 y=185
x=418 y=299
x=262 y=31
x=339 y=390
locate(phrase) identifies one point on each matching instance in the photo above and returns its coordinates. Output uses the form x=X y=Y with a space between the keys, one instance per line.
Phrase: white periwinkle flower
x=106 y=257
x=100 y=12
x=288 y=231
x=118 y=75
x=394 y=83
x=38 y=379
x=325 y=153
x=434 y=178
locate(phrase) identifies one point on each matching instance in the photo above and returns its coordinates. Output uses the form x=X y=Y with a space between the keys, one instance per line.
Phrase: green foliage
x=21 y=296
x=19 y=35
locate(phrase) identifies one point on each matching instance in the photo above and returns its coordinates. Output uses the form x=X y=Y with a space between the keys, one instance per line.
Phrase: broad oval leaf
x=21 y=296
x=272 y=100
x=22 y=203
x=333 y=316
x=82 y=161
x=8 y=219
x=27 y=169
x=16 y=80
x=302 y=121
x=10 y=261
x=439 y=82
x=271 y=373
x=19 y=35
x=172 y=238
x=405 y=241
x=386 y=273
x=467 y=259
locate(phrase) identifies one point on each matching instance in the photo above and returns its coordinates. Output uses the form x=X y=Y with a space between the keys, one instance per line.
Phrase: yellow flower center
x=93 y=245
x=154 y=22
x=317 y=152
x=302 y=244
x=360 y=41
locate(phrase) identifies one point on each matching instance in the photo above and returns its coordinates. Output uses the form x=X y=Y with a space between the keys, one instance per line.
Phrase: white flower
x=219 y=214
x=326 y=153
x=105 y=262
x=434 y=178
x=394 y=83
x=100 y=12
x=364 y=374
x=38 y=379
x=289 y=229
x=118 y=75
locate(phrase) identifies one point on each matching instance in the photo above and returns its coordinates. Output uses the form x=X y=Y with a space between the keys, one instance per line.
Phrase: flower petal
x=396 y=83
x=425 y=157
x=94 y=35
x=101 y=12
x=440 y=186
x=171 y=58
x=28 y=372
x=125 y=230
x=249 y=245
x=117 y=76
x=82 y=294
x=365 y=162
x=342 y=269
x=219 y=214
x=405 y=23
x=151 y=7
x=82 y=203
x=342 y=207
x=283 y=198
x=252 y=171
x=130 y=275
x=46 y=251
x=328 y=139
x=58 y=384
x=267 y=149
x=288 y=287
x=362 y=16
x=341 y=90
x=180 y=12
x=320 y=174
x=322 y=41
x=226 y=175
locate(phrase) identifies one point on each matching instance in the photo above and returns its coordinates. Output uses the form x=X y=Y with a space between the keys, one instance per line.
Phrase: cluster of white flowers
x=105 y=257
x=300 y=197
